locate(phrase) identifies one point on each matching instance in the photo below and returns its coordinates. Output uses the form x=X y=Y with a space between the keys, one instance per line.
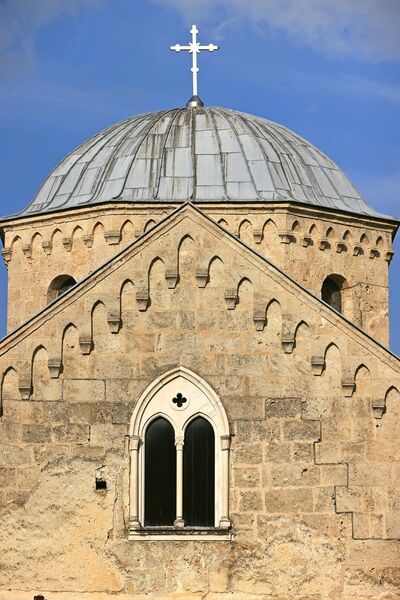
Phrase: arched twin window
x=198 y=474
x=179 y=461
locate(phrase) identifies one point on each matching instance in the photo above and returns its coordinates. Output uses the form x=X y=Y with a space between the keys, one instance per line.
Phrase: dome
x=199 y=155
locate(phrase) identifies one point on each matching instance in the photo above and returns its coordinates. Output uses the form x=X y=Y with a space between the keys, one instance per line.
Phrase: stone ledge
x=173 y=534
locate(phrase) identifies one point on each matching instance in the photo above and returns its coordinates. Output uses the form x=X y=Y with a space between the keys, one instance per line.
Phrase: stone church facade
x=197 y=397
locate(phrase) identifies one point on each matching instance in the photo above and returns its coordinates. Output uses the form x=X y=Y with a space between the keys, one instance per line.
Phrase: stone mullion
x=179 y=443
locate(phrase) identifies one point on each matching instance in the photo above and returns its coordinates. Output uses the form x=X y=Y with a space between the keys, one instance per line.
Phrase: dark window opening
x=101 y=484
x=198 y=474
x=332 y=293
x=160 y=474
x=59 y=286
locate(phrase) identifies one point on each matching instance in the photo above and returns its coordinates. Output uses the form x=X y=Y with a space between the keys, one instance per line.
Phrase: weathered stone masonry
x=313 y=407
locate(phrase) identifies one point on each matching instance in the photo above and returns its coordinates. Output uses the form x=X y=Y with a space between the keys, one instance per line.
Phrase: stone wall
x=313 y=407
x=307 y=244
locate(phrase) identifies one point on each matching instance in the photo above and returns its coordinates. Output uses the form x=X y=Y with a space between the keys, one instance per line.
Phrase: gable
x=246 y=282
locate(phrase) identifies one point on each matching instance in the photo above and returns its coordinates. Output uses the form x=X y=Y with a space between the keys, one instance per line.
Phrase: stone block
x=382 y=451
x=324 y=499
x=124 y=390
x=7 y=477
x=367 y=551
x=186 y=319
x=286 y=500
x=108 y=435
x=337 y=430
x=250 y=501
x=278 y=452
x=360 y=499
x=36 y=434
x=72 y=433
x=393 y=495
x=15 y=455
x=140 y=342
x=246 y=477
x=247 y=453
x=101 y=412
x=369 y=474
x=295 y=475
x=269 y=430
x=27 y=477
x=121 y=413
x=301 y=430
x=155 y=319
x=245 y=364
x=244 y=408
x=303 y=452
x=84 y=390
x=55 y=412
x=334 y=474
x=353 y=452
x=327 y=452
x=393 y=525
x=80 y=412
x=276 y=408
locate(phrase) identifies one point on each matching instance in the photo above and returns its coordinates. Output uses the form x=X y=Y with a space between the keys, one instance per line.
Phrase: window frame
x=156 y=402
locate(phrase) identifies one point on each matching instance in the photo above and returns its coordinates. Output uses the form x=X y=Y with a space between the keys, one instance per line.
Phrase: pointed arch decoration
x=183 y=402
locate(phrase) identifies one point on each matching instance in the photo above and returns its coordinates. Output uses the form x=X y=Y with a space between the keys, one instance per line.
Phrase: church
x=198 y=401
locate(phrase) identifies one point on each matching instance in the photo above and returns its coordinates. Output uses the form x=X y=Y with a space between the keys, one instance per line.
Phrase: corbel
x=374 y=253
x=47 y=247
x=357 y=250
x=231 y=298
x=389 y=255
x=288 y=344
x=286 y=237
x=259 y=318
x=67 y=243
x=324 y=244
x=317 y=365
x=27 y=250
x=142 y=299
x=288 y=339
x=307 y=241
x=7 y=254
x=112 y=237
x=201 y=276
x=171 y=277
x=257 y=236
x=114 y=321
x=348 y=385
x=341 y=247
x=88 y=240
x=25 y=381
x=378 y=408
x=85 y=343
x=54 y=364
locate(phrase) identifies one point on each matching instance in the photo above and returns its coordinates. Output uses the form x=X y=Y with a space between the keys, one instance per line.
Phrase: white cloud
x=367 y=29
x=20 y=20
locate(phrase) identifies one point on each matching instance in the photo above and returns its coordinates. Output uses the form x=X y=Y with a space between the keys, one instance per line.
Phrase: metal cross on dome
x=194 y=48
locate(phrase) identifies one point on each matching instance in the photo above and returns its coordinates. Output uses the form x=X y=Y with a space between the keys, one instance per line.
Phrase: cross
x=194 y=48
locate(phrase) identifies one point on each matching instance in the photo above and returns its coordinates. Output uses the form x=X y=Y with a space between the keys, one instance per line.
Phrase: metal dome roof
x=201 y=155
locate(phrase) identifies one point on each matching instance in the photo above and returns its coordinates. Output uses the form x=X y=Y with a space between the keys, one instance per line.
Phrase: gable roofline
x=66 y=297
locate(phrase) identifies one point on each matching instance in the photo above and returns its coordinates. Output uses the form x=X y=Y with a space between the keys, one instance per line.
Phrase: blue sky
x=328 y=70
